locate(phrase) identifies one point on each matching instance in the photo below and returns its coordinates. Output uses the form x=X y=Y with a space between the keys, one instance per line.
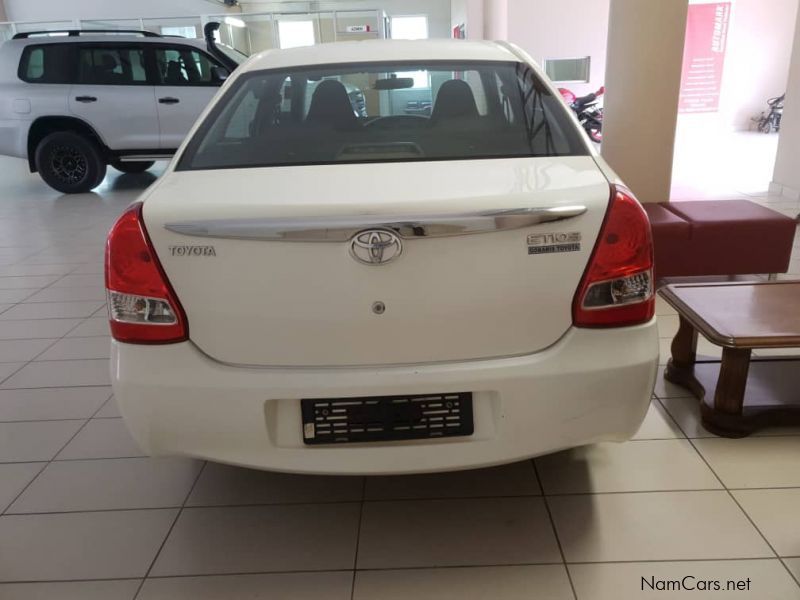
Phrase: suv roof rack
x=79 y=32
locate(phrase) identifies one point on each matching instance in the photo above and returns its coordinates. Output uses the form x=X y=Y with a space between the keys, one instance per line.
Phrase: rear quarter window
x=47 y=63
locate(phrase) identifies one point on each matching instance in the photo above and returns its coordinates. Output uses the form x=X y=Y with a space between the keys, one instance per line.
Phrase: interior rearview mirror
x=394 y=83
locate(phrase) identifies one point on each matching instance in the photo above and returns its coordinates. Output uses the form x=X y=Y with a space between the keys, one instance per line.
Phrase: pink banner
x=704 y=57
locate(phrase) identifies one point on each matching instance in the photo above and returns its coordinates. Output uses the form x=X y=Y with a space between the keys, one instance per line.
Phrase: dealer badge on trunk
x=375 y=247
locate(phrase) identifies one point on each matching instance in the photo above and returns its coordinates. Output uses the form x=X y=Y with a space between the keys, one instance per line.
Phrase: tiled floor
x=713 y=161
x=85 y=516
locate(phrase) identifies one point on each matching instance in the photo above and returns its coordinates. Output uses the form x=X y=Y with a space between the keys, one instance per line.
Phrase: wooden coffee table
x=738 y=396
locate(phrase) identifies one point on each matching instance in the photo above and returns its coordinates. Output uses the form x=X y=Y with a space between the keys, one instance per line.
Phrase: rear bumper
x=14 y=137
x=593 y=385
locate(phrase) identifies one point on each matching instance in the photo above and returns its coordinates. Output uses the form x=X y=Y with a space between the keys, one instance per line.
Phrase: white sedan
x=383 y=257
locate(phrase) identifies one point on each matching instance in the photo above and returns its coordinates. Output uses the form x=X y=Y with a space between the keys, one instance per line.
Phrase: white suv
x=72 y=102
x=315 y=288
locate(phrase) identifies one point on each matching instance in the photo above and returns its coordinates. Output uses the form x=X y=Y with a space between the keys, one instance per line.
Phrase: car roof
x=382 y=51
x=103 y=38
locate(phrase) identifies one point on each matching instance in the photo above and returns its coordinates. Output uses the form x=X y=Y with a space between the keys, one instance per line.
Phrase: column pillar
x=643 y=79
x=495 y=19
x=786 y=179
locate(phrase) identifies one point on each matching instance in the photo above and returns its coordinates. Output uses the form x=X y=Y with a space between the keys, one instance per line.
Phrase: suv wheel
x=139 y=166
x=70 y=163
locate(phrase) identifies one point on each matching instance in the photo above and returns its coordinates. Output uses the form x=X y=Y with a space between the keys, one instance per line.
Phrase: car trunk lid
x=264 y=264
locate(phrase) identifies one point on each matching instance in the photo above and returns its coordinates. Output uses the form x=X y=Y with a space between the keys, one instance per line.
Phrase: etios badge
x=375 y=247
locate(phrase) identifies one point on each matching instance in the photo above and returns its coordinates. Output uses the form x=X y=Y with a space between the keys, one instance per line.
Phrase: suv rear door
x=185 y=85
x=115 y=96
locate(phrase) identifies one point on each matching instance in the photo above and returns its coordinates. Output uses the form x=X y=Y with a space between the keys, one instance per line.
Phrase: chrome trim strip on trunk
x=341 y=229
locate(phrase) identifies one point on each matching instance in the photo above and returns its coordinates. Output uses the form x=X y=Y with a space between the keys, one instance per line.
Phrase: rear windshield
x=378 y=112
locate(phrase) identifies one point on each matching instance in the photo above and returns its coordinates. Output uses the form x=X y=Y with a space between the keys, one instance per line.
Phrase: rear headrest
x=108 y=62
x=174 y=75
x=454 y=100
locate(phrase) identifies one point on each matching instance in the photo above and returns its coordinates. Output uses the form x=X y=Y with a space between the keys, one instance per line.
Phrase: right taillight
x=142 y=307
x=617 y=286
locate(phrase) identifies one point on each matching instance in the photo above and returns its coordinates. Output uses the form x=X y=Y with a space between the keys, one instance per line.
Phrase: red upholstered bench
x=719 y=237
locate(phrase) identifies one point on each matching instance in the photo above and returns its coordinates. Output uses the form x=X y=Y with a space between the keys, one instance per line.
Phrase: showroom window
x=568 y=70
x=411 y=28
x=111 y=66
x=294 y=34
x=190 y=31
x=46 y=64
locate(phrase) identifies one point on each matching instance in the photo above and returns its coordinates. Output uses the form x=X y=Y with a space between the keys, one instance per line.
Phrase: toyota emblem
x=375 y=247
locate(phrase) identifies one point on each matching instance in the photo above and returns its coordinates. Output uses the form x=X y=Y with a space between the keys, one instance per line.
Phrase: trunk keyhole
x=378 y=308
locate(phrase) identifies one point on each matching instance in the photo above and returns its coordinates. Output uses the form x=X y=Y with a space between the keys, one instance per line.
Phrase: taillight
x=617 y=286
x=142 y=307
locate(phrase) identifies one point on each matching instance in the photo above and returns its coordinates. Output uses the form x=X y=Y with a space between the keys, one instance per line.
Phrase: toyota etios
x=383 y=257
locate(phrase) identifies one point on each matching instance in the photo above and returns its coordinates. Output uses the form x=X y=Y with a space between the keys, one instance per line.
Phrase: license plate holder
x=386 y=418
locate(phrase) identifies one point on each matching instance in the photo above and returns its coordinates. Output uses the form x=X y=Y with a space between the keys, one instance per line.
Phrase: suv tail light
x=142 y=306
x=617 y=286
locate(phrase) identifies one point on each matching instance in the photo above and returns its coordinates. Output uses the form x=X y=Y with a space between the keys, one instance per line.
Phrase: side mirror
x=219 y=74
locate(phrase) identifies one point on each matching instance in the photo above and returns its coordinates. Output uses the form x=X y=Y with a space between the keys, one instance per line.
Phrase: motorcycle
x=771 y=121
x=589 y=114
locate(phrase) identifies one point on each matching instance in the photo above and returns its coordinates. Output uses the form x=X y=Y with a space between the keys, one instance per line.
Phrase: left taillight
x=617 y=287
x=142 y=306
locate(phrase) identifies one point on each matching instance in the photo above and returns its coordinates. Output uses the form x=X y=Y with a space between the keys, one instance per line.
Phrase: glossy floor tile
x=14 y=478
x=754 y=462
x=484 y=583
x=299 y=586
x=226 y=485
x=776 y=514
x=252 y=539
x=654 y=526
x=35 y=440
x=122 y=589
x=102 y=438
x=85 y=516
x=51 y=404
x=122 y=483
x=641 y=466
x=518 y=479
x=658 y=425
x=442 y=533
x=86 y=545
x=793 y=564
x=749 y=579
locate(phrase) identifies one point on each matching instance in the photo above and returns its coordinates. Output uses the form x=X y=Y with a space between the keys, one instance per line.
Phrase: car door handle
x=85 y=99
x=168 y=100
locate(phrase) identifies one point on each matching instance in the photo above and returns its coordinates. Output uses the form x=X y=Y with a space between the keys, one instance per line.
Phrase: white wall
x=562 y=29
x=787 y=165
x=757 y=60
x=437 y=11
x=2 y=12
x=469 y=13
